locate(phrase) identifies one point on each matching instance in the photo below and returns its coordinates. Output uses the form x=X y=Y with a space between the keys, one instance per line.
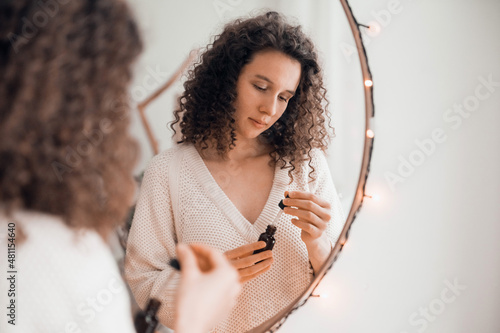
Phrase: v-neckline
x=248 y=230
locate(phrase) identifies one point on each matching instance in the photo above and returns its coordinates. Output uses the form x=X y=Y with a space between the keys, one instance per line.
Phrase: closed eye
x=283 y=99
x=259 y=88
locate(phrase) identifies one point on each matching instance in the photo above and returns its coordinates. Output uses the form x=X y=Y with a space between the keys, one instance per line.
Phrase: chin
x=251 y=135
x=248 y=134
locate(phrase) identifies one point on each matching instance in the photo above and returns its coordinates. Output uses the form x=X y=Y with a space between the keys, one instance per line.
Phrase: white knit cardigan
x=178 y=183
x=66 y=280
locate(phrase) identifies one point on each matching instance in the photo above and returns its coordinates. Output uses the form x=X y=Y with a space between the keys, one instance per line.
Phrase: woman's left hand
x=312 y=212
x=313 y=215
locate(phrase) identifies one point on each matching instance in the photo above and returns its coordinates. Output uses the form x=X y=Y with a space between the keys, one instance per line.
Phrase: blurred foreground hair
x=64 y=144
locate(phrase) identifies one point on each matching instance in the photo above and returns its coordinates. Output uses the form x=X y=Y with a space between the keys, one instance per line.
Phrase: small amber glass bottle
x=146 y=321
x=267 y=237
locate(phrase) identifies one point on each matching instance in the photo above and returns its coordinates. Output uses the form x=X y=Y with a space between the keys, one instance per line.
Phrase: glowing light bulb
x=369 y=133
x=374 y=197
x=368 y=83
x=373 y=29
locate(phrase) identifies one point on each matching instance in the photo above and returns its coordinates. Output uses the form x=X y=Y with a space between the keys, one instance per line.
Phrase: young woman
x=253 y=124
x=66 y=162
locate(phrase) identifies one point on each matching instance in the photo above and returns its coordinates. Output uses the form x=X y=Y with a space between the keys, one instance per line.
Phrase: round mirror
x=174 y=31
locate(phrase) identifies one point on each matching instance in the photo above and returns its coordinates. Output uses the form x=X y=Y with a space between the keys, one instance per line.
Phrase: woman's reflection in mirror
x=254 y=126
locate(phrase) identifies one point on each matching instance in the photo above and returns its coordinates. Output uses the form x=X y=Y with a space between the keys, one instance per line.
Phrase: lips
x=260 y=122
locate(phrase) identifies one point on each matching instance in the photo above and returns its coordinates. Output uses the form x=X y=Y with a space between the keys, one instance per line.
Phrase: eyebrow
x=265 y=78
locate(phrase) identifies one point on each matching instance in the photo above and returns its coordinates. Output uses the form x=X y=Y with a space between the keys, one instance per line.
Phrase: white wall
x=441 y=223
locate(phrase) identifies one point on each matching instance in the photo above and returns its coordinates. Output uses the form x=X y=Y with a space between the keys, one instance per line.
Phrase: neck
x=244 y=149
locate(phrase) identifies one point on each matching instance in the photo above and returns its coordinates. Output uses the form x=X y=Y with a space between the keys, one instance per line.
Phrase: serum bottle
x=268 y=236
x=146 y=321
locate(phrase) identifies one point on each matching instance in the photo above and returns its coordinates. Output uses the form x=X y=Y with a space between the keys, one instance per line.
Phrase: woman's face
x=264 y=87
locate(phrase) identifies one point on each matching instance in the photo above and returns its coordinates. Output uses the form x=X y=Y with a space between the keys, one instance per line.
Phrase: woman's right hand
x=250 y=265
x=208 y=288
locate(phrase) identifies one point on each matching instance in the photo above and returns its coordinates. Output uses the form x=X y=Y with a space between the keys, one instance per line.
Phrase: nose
x=269 y=106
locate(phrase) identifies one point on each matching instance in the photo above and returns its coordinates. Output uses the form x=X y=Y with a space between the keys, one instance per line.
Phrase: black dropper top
x=271 y=229
x=174 y=263
x=281 y=204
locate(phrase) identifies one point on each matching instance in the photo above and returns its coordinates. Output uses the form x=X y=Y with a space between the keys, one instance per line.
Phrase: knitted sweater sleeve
x=324 y=187
x=152 y=242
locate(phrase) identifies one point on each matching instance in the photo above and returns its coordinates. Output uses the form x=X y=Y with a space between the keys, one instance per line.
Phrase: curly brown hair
x=206 y=106
x=64 y=142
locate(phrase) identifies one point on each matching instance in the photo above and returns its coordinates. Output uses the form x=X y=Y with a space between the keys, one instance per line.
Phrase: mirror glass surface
x=172 y=29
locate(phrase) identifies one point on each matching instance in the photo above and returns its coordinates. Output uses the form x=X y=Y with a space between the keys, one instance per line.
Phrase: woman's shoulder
x=317 y=154
x=62 y=267
x=316 y=158
x=43 y=232
x=47 y=244
x=312 y=166
x=162 y=161
x=167 y=154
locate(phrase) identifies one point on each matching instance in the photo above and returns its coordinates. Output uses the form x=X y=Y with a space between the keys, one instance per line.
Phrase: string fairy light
x=374 y=197
x=374 y=29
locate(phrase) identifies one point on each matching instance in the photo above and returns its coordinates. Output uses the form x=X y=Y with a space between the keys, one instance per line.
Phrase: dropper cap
x=276 y=219
x=271 y=229
x=281 y=204
x=175 y=264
